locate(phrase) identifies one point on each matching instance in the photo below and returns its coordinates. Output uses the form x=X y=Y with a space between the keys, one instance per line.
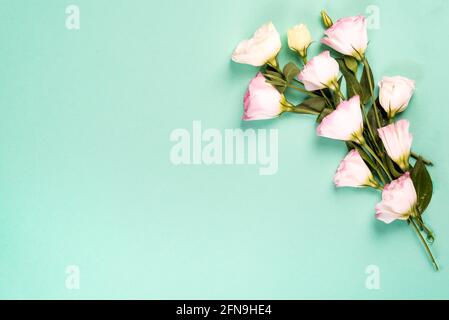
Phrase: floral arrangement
x=379 y=146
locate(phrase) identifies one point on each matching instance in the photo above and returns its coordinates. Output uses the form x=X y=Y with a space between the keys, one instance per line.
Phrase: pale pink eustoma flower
x=398 y=200
x=262 y=101
x=353 y=172
x=397 y=141
x=345 y=123
x=320 y=72
x=348 y=36
x=395 y=94
x=261 y=48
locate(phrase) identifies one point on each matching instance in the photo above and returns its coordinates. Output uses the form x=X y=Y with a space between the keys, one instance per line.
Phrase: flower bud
x=299 y=39
x=395 y=94
x=327 y=21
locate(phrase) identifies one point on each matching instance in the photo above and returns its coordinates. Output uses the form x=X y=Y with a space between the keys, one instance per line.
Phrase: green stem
x=373 y=154
x=301 y=111
x=338 y=90
x=342 y=97
x=427 y=231
x=327 y=100
x=381 y=177
x=302 y=90
x=424 y=243
x=371 y=86
x=417 y=156
x=274 y=63
x=379 y=173
x=370 y=130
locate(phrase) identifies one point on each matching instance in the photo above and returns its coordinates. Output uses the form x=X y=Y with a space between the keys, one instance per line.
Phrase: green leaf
x=423 y=185
x=351 y=63
x=350 y=145
x=273 y=75
x=365 y=84
x=303 y=110
x=340 y=81
x=279 y=87
x=323 y=114
x=290 y=71
x=393 y=168
x=315 y=104
x=269 y=67
x=352 y=84
x=335 y=97
x=272 y=78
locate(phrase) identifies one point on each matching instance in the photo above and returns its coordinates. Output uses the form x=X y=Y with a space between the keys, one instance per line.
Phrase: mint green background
x=85 y=176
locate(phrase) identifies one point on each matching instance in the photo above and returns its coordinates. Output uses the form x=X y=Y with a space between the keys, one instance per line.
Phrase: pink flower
x=345 y=123
x=398 y=200
x=320 y=72
x=262 y=100
x=395 y=94
x=397 y=141
x=353 y=172
x=348 y=36
x=261 y=48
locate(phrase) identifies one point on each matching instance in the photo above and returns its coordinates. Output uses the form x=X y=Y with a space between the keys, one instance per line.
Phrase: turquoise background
x=85 y=176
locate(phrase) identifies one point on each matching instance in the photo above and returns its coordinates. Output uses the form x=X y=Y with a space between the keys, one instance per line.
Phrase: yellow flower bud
x=299 y=39
x=327 y=21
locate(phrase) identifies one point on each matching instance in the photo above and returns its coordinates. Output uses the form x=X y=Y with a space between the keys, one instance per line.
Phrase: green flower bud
x=327 y=21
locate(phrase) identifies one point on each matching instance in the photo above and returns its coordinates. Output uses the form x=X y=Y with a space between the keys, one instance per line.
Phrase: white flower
x=395 y=94
x=260 y=49
x=299 y=39
x=320 y=72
